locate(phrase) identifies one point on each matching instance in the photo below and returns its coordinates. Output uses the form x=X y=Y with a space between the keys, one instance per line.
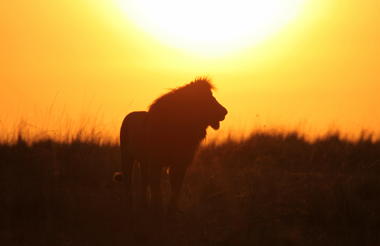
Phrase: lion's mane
x=173 y=120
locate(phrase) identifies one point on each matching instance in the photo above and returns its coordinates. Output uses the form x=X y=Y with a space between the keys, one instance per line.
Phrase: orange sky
x=66 y=64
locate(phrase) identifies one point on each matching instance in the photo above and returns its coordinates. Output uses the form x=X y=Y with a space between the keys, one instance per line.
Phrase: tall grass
x=272 y=188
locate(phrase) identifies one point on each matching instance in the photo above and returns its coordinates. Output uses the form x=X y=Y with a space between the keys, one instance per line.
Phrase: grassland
x=269 y=189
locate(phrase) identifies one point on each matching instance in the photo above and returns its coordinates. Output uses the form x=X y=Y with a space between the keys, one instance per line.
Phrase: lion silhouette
x=167 y=136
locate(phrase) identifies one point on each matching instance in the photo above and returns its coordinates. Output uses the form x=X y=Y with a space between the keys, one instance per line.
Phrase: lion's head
x=190 y=108
x=203 y=104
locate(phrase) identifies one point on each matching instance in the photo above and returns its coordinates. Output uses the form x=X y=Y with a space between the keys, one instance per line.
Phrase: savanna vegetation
x=268 y=189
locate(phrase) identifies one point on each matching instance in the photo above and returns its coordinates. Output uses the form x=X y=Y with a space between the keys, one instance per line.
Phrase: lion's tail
x=118 y=177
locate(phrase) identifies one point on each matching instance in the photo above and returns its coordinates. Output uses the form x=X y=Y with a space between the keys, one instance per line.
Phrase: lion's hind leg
x=155 y=188
x=127 y=167
x=145 y=194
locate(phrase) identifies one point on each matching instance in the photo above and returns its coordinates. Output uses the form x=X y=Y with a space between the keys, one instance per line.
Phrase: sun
x=211 y=26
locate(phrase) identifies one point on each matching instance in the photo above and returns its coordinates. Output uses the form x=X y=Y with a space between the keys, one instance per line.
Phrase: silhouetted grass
x=269 y=189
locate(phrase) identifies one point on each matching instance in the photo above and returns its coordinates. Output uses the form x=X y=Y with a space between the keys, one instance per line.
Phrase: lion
x=167 y=136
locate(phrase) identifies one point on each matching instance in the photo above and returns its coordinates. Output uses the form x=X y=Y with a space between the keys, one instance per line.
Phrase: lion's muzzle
x=220 y=116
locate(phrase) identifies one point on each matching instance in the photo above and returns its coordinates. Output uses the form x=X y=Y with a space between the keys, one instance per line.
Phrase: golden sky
x=72 y=63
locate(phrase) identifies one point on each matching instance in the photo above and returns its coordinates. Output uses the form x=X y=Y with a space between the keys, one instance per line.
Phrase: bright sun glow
x=211 y=26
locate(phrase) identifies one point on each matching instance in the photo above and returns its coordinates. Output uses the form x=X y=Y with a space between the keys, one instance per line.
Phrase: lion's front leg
x=177 y=175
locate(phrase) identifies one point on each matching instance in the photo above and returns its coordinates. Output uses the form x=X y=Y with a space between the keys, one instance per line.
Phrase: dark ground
x=271 y=189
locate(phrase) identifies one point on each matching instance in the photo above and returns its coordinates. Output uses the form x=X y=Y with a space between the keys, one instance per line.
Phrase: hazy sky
x=66 y=64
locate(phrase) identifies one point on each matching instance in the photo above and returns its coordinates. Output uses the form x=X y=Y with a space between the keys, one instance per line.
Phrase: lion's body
x=168 y=136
